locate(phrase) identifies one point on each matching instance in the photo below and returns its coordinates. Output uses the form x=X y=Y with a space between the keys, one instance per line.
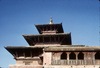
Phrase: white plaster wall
x=47 y=58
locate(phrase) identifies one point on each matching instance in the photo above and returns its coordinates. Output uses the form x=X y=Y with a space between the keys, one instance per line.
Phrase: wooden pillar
x=31 y=54
x=50 y=38
x=85 y=57
x=93 y=54
x=35 y=39
x=43 y=38
x=55 y=38
x=68 y=57
x=76 y=53
x=38 y=38
x=58 y=38
x=24 y=54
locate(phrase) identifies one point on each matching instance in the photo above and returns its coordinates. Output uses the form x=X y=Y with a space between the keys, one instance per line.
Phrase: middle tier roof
x=59 y=38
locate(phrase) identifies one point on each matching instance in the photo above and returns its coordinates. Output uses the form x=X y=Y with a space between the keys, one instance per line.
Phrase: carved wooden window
x=72 y=56
x=80 y=56
x=63 y=55
x=97 y=55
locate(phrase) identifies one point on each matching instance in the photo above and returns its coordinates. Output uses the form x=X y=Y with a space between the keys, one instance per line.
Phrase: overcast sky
x=17 y=17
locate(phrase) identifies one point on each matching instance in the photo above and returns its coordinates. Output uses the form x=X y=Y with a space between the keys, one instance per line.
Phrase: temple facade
x=52 y=48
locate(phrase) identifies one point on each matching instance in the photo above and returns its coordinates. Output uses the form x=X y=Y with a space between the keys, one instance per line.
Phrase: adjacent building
x=52 y=48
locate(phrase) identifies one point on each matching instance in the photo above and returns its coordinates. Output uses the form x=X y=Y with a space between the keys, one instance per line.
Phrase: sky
x=18 y=17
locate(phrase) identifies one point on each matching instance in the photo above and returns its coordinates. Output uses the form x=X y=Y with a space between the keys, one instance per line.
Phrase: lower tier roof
x=55 y=48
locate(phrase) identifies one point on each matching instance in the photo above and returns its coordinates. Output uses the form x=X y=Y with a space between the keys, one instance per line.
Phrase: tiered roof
x=49 y=35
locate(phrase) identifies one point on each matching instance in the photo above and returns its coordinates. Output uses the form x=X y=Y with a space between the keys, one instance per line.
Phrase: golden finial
x=51 y=21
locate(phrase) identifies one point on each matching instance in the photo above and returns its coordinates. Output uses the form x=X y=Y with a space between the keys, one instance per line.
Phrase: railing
x=97 y=62
x=75 y=62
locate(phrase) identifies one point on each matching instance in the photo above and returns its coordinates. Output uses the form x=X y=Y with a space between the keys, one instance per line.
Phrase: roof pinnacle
x=51 y=21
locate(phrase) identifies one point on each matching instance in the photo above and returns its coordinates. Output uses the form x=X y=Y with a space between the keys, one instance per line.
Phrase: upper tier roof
x=50 y=27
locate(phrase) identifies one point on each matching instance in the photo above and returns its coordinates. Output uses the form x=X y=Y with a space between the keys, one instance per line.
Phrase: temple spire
x=51 y=21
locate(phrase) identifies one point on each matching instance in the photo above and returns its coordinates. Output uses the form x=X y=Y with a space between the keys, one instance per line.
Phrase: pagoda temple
x=52 y=48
